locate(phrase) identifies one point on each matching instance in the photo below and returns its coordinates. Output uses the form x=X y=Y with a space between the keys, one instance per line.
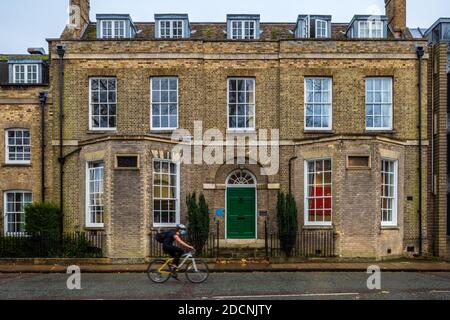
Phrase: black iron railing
x=308 y=243
x=71 y=245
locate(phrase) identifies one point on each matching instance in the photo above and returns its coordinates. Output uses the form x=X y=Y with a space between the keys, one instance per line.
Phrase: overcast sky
x=27 y=23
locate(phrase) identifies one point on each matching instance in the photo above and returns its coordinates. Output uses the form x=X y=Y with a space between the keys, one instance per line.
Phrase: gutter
x=61 y=50
x=420 y=53
x=42 y=101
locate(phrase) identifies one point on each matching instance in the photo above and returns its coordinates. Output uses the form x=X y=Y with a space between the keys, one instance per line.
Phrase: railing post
x=218 y=237
x=266 y=240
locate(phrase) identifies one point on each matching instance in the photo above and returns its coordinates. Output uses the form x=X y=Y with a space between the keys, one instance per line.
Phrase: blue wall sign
x=219 y=212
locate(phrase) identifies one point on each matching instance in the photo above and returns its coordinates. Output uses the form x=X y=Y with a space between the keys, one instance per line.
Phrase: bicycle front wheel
x=156 y=274
x=197 y=271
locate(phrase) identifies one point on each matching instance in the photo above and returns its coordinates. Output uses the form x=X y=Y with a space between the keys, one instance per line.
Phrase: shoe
x=175 y=276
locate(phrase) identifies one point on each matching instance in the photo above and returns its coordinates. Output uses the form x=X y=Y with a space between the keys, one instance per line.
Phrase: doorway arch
x=241 y=205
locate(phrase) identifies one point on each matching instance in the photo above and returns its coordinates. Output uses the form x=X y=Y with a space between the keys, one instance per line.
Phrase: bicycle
x=159 y=271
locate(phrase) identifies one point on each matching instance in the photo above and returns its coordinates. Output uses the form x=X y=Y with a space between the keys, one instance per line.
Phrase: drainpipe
x=420 y=53
x=290 y=173
x=42 y=101
x=61 y=50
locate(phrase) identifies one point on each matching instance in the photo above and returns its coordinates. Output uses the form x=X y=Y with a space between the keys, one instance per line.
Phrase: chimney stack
x=78 y=17
x=396 y=13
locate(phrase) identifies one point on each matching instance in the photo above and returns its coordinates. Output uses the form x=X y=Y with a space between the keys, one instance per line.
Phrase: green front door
x=241 y=213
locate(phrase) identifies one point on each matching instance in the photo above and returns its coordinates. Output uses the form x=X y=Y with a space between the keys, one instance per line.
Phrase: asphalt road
x=235 y=286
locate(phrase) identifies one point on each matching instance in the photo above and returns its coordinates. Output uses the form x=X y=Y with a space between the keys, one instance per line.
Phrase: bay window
x=94 y=194
x=166 y=193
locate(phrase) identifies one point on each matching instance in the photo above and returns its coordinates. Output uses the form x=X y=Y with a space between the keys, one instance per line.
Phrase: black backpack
x=161 y=236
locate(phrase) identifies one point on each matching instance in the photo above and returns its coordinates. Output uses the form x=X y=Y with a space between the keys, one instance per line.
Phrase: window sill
x=376 y=131
x=318 y=227
x=162 y=131
x=390 y=228
x=24 y=84
x=243 y=131
x=312 y=131
x=95 y=228
x=23 y=165
x=101 y=131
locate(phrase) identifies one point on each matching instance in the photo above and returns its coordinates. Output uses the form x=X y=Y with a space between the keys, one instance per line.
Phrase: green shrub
x=42 y=219
x=198 y=221
x=287 y=222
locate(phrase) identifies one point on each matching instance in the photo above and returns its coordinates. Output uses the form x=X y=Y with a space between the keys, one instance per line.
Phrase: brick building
x=343 y=96
x=24 y=103
x=438 y=36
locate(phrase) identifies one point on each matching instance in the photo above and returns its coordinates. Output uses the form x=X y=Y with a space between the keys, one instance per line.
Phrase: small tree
x=287 y=222
x=42 y=219
x=198 y=221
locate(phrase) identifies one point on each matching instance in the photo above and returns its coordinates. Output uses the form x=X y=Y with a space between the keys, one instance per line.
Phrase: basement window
x=127 y=162
x=358 y=162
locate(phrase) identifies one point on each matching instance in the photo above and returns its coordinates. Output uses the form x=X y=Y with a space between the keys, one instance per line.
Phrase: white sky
x=27 y=23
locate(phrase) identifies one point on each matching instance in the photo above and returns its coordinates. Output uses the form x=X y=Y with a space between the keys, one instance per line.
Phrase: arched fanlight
x=241 y=177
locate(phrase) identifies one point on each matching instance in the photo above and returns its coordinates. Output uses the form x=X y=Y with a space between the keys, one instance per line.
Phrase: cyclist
x=174 y=251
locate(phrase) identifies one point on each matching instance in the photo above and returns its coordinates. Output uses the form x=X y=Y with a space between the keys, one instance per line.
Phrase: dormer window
x=25 y=73
x=370 y=29
x=115 y=26
x=172 y=26
x=313 y=26
x=243 y=27
x=321 y=29
x=171 y=29
x=112 y=29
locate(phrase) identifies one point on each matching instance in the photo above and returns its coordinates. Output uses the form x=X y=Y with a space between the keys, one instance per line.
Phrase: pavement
x=229 y=286
x=240 y=266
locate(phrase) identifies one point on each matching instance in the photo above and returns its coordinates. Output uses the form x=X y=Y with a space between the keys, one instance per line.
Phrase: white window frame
x=318 y=21
x=171 y=28
x=114 y=34
x=27 y=73
x=391 y=103
x=91 y=109
x=160 y=128
x=7 y=145
x=330 y=124
x=242 y=29
x=88 y=216
x=371 y=29
x=394 y=221
x=5 y=211
x=178 y=192
x=237 y=129
x=305 y=195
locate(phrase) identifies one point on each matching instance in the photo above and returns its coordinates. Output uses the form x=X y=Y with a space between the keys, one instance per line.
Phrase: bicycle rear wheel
x=155 y=274
x=197 y=271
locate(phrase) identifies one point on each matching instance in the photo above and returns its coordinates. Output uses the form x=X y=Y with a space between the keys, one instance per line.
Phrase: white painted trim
x=255 y=35
x=7 y=161
x=249 y=129
x=151 y=106
x=91 y=109
x=330 y=125
x=256 y=202
x=26 y=75
x=326 y=28
x=5 y=215
x=370 y=29
x=391 y=124
x=113 y=29
x=171 y=28
x=90 y=224
x=394 y=222
x=177 y=211
x=306 y=221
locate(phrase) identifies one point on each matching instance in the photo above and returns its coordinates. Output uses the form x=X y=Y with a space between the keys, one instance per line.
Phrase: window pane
x=165 y=184
x=319 y=192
